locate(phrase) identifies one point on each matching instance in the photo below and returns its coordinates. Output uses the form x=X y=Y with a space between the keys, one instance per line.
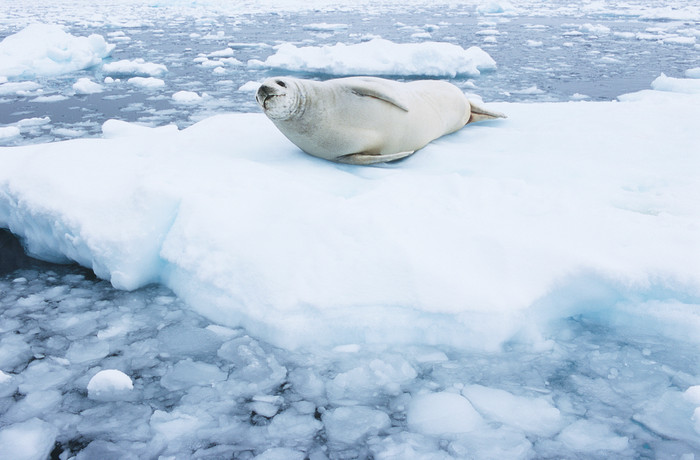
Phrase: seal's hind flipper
x=480 y=113
x=379 y=89
x=367 y=159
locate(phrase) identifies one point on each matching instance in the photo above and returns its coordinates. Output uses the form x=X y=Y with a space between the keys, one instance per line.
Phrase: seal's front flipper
x=480 y=113
x=379 y=89
x=367 y=159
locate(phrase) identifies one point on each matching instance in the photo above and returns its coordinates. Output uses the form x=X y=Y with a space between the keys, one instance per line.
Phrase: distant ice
x=693 y=73
x=20 y=88
x=325 y=27
x=136 y=67
x=51 y=98
x=147 y=82
x=381 y=57
x=488 y=7
x=44 y=49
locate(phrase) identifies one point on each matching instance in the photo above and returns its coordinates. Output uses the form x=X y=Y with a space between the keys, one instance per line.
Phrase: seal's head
x=281 y=97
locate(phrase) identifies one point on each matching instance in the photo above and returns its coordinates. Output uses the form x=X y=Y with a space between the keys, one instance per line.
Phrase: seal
x=366 y=120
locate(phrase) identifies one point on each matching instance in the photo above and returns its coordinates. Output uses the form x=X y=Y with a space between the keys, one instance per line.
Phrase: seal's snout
x=263 y=93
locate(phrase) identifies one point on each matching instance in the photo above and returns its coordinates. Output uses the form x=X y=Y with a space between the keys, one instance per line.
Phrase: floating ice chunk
x=579 y=96
x=488 y=443
x=365 y=383
x=325 y=27
x=44 y=374
x=30 y=440
x=255 y=372
x=8 y=385
x=180 y=340
x=186 y=97
x=176 y=425
x=533 y=43
x=52 y=98
x=34 y=404
x=348 y=425
x=90 y=349
x=44 y=49
x=679 y=40
x=8 y=132
x=381 y=57
x=494 y=7
x=587 y=436
x=307 y=383
x=293 y=427
x=281 y=453
x=250 y=86
x=692 y=394
x=597 y=29
x=442 y=414
x=693 y=73
x=19 y=88
x=68 y=132
x=228 y=52
x=531 y=90
x=110 y=385
x=187 y=373
x=676 y=85
x=531 y=415
x=672 y=415
x=87 y=86
x=136 y=67
x=147 y=82
x=32 y=122
x=118 y=36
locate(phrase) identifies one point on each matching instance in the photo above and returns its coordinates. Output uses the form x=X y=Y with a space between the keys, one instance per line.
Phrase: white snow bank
x=136 y=67
x=482 y=237
x=381 y=57
x=44 y=49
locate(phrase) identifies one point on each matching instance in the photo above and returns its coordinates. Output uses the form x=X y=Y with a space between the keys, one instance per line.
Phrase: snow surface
x=482 y=234
x=381 y=57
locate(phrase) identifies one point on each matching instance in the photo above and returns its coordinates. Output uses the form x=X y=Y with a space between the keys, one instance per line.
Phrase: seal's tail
x=480 y=113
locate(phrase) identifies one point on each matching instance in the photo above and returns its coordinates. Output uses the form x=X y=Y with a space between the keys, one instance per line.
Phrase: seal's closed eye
x=281 y=83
